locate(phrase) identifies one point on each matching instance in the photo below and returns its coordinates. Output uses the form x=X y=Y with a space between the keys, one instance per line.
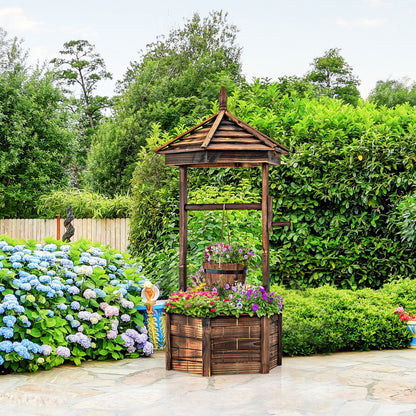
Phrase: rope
x=225 y=215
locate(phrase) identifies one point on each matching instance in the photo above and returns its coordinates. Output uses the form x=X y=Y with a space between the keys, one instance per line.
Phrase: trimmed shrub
x=326 y=319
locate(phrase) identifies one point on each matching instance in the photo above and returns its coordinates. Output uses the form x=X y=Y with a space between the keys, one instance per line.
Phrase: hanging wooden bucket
x=217 y=274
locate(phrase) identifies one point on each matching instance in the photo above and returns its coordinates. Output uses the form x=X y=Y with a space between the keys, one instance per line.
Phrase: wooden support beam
x=168 y=347
x=206 y=347
x=213 y=128
x=265 y=344
x=265 y=226
x=220 y=207
x=183 y=226
x=281 y=224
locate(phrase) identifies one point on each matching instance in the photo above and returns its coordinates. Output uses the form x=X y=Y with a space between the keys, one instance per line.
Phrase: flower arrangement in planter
x=231 y=300
x=67 y=302
x=226 y=264
x=235 y=329
x=410 y=321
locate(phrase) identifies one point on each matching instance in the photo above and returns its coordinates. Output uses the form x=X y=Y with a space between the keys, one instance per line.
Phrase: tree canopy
x=334 y=77
x=393 y=92
x=35 y=143
x=173 y=85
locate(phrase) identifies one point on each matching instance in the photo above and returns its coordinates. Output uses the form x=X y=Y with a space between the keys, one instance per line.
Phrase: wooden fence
x=114 y=232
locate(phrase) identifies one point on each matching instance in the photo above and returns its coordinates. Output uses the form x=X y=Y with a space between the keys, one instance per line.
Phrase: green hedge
x=326 y=319
x=84 y=204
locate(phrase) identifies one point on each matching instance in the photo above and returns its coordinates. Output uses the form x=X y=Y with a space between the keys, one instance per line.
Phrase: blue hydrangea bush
x=67 y=302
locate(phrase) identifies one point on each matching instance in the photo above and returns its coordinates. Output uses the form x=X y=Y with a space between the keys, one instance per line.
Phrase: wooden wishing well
x=223 y=141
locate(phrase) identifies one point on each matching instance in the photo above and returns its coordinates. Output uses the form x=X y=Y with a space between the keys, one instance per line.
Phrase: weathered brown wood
x=239 y=331
x=186 y=340
x=236 y=356
x=236 y=368
x=256 y=133
x=188 y=366
x=265 y=344
x=160 y=148
x=279 y=342
x=183 y=226
x=224 y=345
x=265 y=230
x=222 y=99
x=206 y=347
x=213 y=128
x=168 y=352
x=224 y=158
x=270 y=214
x=281 y=224
x=220 y=207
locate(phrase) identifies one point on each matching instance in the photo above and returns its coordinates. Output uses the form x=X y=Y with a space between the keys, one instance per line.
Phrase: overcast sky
x=278 y=37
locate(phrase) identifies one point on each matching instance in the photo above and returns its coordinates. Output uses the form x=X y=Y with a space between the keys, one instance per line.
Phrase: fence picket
x=114 y=232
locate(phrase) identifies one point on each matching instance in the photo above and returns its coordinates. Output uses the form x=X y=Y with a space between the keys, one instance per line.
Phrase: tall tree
x=393 y=92
x=172 y=84
x=333 y=77
x=79 y=69
x=35 y=145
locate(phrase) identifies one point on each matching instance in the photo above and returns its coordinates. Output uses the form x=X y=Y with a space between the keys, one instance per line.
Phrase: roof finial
x=223 y=99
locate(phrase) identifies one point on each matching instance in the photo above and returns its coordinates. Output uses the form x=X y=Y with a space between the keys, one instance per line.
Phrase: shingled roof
x=222 y=140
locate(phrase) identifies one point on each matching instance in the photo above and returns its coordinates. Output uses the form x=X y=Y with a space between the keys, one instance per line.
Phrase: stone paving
x=375 y=383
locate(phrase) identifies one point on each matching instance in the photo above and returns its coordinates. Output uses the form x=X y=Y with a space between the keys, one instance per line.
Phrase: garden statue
x=150 y=293
x=70 y=230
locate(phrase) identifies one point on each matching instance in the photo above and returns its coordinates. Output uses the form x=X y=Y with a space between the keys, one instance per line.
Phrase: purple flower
x=112 y=334
x=125 y=317
x=63 y=352
x=240 y=250
x=128 y=341
x=255 y=307
x=132 y=333
x=46 y=349
x=227 y=286
x=148 y=348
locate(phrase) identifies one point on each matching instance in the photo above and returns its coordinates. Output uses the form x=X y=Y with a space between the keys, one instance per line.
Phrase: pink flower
x=111 y=311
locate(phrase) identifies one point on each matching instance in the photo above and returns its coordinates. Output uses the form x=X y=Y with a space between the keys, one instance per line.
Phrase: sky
x=278 y=37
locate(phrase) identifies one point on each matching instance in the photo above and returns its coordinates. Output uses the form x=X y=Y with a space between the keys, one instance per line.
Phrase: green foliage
x=325 y=319
x=84 y=205
x=348 y=170
x=334 y=78
x=80 y=68
x=67 y=302
x=35 y=146
x=172 y=84
x=393 y=92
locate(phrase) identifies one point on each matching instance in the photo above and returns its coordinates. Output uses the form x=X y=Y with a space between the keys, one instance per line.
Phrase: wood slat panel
x=182 y=341
x=186 y=354
x=113 y=232
x=236 y=356
x=188 y=366
x=235 y=368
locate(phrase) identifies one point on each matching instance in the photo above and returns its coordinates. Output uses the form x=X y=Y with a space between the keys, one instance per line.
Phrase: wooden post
x=279 y=339
x=265 y=344
x=183 y=226
x=58 y=227
x=167 y=342
x=265 y=226
x=206 y=347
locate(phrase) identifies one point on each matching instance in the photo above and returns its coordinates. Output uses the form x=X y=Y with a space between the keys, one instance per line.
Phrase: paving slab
x=373 y=383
